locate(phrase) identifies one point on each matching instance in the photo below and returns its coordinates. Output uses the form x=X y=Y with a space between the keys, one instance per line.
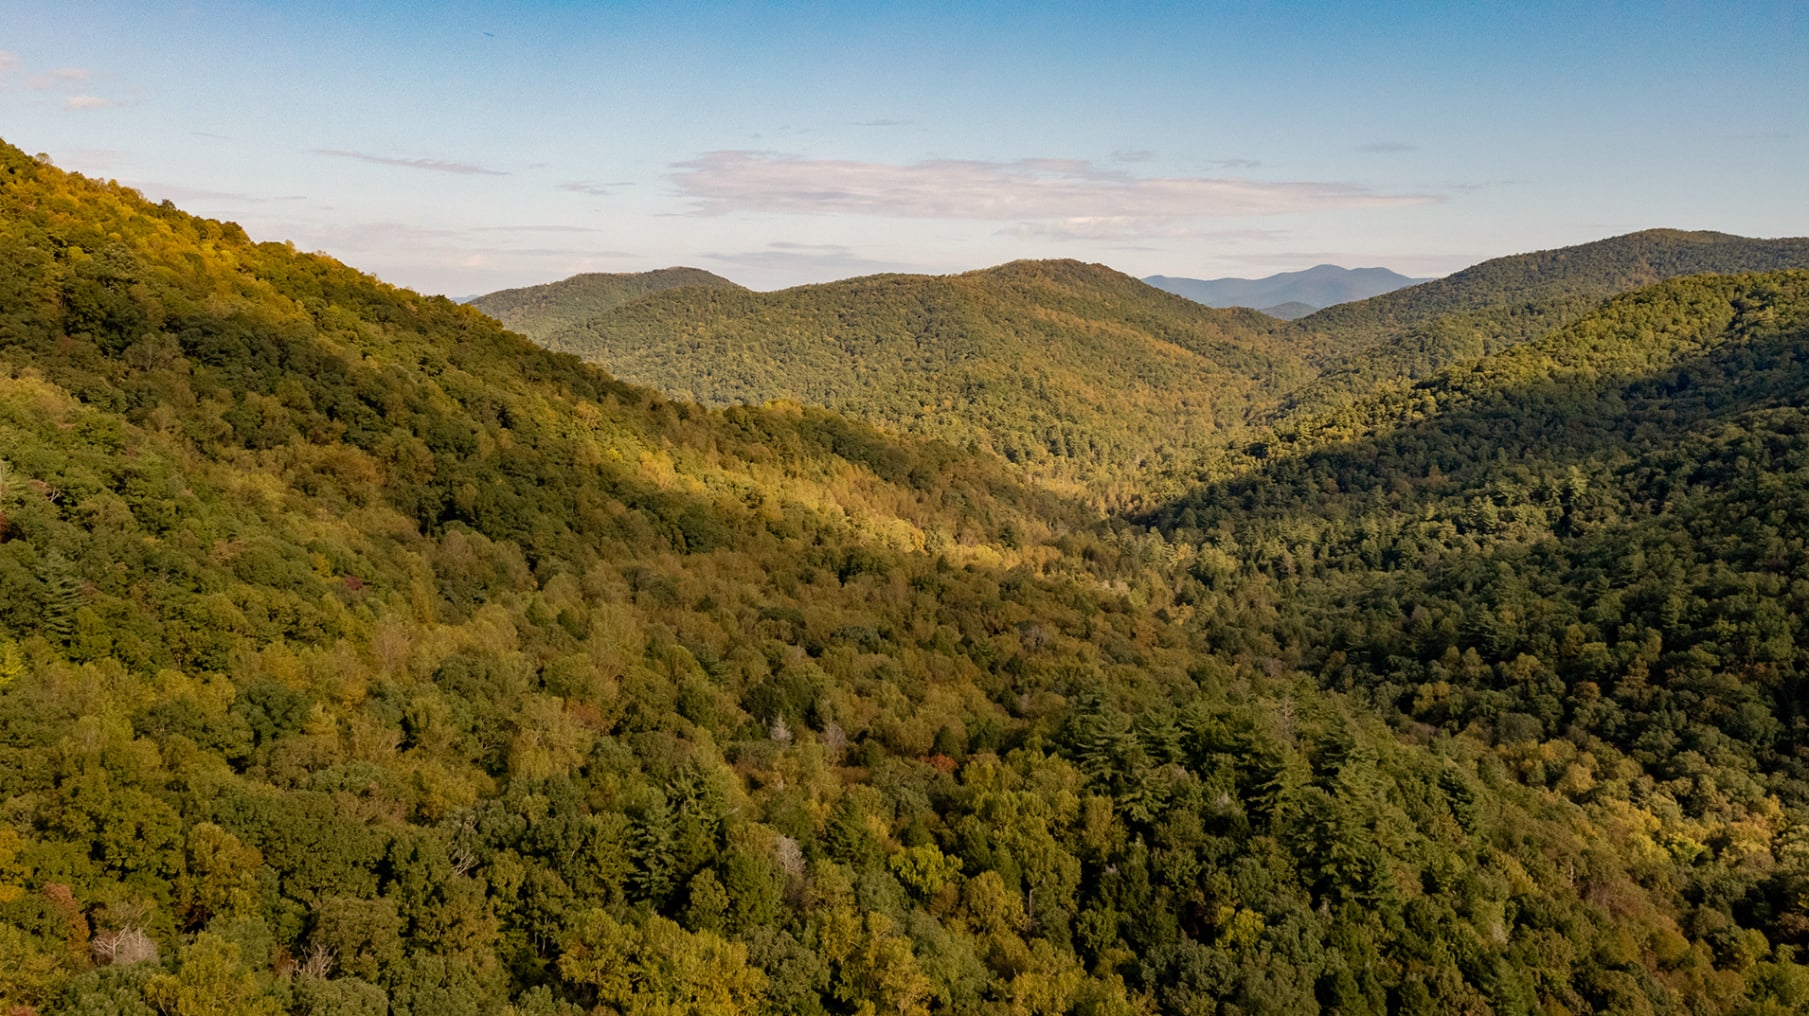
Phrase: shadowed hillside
x=1413 y=332
x=1632 y=484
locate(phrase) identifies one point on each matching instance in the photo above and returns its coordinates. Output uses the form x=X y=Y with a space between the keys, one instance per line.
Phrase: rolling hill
x=537 y=310
x=1289 y=311
x=1078 y=374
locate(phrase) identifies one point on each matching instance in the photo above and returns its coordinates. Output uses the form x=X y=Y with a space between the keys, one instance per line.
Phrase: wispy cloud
x=1134 y=228
x=535 y=229
x=470 y=249
x=61 y=78
x=1389 y=147
x=584 y=254
x=595 y=190
x=379 y=236
x=881 y=123
x=181 y=192
x=67 y=80
x=431 y=165
x=782 y=259
x=839 y=250
x=1133 y=155
x=96 y=160
x=1026 y=189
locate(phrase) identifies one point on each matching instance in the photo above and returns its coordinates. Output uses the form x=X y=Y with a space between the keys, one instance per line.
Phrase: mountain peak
x=1315 y=287
x=531 y=309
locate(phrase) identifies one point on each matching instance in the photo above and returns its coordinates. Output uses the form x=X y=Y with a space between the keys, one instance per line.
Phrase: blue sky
x=464 y=147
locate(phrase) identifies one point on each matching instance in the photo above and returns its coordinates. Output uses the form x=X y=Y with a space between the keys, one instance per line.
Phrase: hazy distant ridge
x=535 y=309
x=1319 y=286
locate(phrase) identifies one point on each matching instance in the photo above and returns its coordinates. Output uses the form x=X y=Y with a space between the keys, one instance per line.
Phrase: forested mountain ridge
x=358 y=657
x=536 y=310
x=1413 y=332
x=1074 y=373
x=1078 y=374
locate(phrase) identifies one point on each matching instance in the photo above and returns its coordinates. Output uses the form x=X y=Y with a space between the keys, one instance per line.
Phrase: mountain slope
x=358 y=657
x=534 y=310
x=1496 y=304
x=1652 y=450
x=1585 y=548
x=1080 y=375
x=1316 y=287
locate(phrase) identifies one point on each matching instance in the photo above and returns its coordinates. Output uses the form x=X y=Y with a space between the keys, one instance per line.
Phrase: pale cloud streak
x=783 y=260
x=1119 y=227
x=182 y=192
x=535 y=229
x=431 y=165
x=1026 y=189
x=382 y=237
x=62 y=77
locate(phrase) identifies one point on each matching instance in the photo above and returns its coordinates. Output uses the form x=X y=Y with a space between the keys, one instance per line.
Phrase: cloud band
x=738 y=181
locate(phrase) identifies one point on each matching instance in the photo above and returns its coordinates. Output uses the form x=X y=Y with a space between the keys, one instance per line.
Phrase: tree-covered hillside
x=359 y=657
x=1411 y=333
x=1084 y=378
x=1587 y=551
x=541 y=310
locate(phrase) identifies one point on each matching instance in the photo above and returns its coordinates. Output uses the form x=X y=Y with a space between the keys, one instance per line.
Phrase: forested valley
x=359 y=656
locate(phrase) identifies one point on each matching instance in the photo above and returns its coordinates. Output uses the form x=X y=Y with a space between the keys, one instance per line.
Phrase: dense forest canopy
x=359 y=657
x=538 y=310
x=1086 y=380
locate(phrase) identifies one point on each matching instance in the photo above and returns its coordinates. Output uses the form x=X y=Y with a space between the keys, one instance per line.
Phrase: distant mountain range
x=1288 y=295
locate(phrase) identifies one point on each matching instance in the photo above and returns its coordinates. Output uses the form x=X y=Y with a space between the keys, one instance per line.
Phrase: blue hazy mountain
x=1289 y=294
